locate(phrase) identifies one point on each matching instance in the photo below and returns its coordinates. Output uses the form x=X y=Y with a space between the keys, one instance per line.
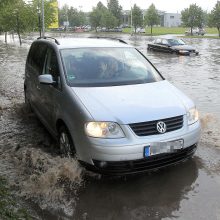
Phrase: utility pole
x=39 y=15
x=131 y=22
x=42 y=10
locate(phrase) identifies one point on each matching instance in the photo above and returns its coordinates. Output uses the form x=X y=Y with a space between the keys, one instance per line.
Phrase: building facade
x=166 y=19
x=171 y=19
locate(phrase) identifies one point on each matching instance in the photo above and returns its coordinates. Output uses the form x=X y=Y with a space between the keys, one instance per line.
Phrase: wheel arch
x=59 y=124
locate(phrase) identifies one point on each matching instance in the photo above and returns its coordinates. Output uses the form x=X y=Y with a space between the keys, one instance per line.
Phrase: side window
x=51 y=65
x=158 y=41
x=164 y=42
x=37 y=56
x=31 y=53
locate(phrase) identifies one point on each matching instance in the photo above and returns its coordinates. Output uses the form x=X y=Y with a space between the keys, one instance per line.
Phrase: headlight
x=183 y=51
x=104 y=130
x=192 y=115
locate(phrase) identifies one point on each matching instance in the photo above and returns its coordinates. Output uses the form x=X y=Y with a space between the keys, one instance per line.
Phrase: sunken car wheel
x=65 y=142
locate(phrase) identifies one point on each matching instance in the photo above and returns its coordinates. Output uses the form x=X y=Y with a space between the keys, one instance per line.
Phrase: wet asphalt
x=190 y=190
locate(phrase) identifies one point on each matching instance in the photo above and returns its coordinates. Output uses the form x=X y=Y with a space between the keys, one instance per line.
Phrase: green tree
x=75 y=17
x=35 y=10
x=214 y=17
x=96 y=15
x=115 y=9
x=193 y=17
x=15 y=17
x=137 y=17
x=63 y=14
x=108 y=20
x=101 y=7
x=152 y=17
x=20 y=17
x=95 y=18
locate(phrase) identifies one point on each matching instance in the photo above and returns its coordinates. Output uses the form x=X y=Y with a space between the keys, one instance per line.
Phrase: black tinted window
x=52 y=64
x=37 y=56
x=32 y=51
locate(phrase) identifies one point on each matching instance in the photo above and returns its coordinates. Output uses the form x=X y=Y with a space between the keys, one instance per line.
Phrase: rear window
x=107 y=67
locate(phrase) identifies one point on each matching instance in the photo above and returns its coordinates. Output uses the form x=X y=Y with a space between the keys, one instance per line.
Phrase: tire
x=65 y=142
x=27 y=102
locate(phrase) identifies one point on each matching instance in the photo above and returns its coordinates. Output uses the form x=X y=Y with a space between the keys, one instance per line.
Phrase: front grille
x=150 y=127
x=145 y=164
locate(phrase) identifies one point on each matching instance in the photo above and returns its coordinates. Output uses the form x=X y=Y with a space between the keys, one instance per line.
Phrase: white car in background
x=195 y=31
x=140 y=30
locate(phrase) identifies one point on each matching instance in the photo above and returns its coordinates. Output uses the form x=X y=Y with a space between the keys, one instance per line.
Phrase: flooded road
x=58 y=188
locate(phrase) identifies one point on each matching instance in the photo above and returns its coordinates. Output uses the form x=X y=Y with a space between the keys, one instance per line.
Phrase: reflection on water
x=148 y=196
x=55 y=183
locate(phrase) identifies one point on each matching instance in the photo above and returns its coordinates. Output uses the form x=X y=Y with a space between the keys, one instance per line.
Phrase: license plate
x=147 y=151
x=163 y=147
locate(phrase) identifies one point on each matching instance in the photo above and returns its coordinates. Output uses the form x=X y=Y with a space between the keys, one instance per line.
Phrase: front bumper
x=188 y=53
x=146 y=164
x=122 y=155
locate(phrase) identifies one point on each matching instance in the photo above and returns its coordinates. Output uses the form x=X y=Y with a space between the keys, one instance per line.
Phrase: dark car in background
x=172 y=45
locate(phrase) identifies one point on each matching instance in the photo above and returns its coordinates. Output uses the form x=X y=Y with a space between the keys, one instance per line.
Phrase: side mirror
x=46 y=79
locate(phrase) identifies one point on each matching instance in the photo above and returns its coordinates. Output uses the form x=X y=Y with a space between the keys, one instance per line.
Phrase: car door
x=157 y=45
x=49 y=94
x=34 y=68
x=165 y=47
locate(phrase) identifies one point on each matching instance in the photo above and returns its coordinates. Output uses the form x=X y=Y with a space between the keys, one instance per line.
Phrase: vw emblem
x=161 y=127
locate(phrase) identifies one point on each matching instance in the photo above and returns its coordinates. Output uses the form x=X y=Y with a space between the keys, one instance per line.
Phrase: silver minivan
x=108 y=105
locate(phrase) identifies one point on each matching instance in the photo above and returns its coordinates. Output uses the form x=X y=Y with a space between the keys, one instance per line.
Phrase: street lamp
x=131 y=17
x=131 y=22
x=39 y=22
x=42 y=9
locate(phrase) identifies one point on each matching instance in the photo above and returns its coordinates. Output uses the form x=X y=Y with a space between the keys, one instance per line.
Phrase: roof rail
x=110 y=38
x=56 y=41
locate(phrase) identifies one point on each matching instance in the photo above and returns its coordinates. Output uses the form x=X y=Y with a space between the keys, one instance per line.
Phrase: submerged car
x=172 y=45
x=107 y=104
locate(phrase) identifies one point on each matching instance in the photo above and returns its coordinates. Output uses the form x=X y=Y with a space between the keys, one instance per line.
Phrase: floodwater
x=52 y=187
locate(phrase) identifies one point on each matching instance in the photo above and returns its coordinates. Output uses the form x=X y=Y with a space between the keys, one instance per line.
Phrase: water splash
x=52 y=182
x=210 y=129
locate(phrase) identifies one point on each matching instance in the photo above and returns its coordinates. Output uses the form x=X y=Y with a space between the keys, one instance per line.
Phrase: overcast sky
x=164 y=5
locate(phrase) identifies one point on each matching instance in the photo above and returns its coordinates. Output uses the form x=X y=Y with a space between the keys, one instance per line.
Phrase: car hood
x=183 y=47
x=133 y=103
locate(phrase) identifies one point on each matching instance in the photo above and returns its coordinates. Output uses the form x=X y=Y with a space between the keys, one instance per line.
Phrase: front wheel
x=66 y=145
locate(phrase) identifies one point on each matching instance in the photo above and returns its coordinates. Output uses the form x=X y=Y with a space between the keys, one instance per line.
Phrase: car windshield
x=175 y=42
x=107 y=67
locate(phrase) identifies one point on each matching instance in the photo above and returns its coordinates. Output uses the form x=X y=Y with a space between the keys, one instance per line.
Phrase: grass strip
x=9 y=209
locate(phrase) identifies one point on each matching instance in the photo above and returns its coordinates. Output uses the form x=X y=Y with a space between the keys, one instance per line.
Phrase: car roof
x=167 y=38
x=65 y=43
